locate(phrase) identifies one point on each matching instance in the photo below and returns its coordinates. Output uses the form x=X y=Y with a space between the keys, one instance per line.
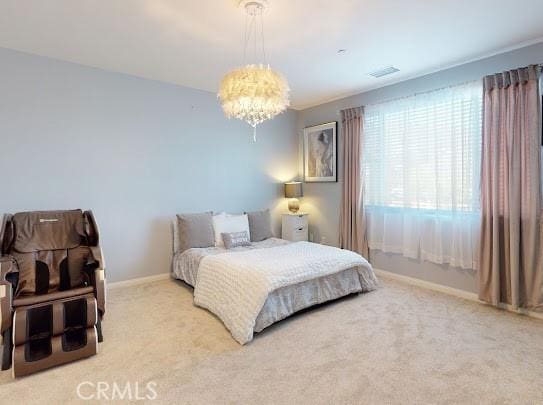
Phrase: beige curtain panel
x=352 y=224
x=511 y=270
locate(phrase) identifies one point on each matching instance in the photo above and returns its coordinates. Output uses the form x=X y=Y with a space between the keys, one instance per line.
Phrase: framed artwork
x=320 y=153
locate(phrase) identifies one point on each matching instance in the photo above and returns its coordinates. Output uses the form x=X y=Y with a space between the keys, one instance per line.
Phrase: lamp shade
x=293 y=189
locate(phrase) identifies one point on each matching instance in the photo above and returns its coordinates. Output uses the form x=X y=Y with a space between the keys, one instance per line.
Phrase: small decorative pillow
x=235 y=239
x=260 y=225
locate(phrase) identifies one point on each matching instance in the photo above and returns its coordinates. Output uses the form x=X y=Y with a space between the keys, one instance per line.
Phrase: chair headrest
x=48 y=230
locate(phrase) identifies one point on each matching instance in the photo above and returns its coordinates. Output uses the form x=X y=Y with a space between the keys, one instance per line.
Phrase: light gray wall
x=134 y=151
x=322 y=200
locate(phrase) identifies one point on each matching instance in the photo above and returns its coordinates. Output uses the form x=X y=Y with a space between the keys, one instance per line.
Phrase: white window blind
x=421 y=169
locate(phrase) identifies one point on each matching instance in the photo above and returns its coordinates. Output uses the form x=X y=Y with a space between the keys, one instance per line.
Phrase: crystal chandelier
x=253 y=93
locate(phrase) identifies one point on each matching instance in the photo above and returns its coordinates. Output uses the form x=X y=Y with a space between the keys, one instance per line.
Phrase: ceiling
x=194 y=42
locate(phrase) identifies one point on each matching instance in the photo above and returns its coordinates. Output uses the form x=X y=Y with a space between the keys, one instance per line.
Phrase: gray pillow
x=195 y=230
x=235 y=239
x=260 y=225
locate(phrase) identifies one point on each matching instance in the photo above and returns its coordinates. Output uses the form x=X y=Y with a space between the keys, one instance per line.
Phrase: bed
x=251 y=287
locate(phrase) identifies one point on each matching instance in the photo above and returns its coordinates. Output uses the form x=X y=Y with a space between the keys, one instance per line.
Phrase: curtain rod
x=418 y=93
x=429 y=91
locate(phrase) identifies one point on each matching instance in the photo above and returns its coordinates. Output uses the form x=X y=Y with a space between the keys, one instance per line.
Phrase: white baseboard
x=451 y=291
x=428 y=285
x=137 y=281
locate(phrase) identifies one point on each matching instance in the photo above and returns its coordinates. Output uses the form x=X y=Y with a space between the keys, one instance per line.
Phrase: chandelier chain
x=245 y=39
x=251 y=35
x=255 y=38
x=263 y=41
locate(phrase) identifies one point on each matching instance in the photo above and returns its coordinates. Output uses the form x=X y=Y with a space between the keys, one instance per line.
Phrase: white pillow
x=224 y=223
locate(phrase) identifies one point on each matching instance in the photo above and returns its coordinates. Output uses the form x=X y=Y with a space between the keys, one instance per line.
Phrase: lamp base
x=294 y=205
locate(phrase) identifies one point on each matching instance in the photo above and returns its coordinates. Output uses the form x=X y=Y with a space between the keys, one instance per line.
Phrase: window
x=423 y=152
x=421 y=172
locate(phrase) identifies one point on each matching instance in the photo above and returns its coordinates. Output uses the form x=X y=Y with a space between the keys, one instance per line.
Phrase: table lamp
x=293 y=190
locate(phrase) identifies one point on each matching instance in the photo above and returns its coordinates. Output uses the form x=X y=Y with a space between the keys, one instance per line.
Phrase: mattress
x=284 y=301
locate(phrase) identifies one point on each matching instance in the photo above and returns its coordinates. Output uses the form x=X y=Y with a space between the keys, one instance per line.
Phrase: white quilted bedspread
x=235 y=286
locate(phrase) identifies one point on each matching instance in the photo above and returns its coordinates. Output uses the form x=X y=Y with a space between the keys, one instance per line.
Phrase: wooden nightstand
x=295 y=227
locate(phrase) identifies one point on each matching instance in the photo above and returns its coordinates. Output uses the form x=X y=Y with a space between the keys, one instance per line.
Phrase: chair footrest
x=45 y=352
x=48 y=319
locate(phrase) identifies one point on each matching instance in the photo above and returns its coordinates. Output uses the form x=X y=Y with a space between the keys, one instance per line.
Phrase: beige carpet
x=399 y=344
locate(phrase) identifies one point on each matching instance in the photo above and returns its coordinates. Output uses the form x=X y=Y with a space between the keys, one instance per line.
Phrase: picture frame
x=320 y=153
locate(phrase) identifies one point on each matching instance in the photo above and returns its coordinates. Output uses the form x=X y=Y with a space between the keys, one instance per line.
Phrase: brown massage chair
x=52 y=289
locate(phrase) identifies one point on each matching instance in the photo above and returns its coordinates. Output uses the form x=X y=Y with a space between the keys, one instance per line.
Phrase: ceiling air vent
x=384 y=71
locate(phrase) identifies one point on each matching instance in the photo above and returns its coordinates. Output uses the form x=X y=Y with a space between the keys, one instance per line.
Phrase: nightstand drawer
x=296 y=221
x=299 y=234
x=295 y=227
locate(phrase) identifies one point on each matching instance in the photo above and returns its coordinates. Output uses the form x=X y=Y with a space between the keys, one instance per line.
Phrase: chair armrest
x=6 y=233
x=7 y=266
x=99 y=280
x=100 y=290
